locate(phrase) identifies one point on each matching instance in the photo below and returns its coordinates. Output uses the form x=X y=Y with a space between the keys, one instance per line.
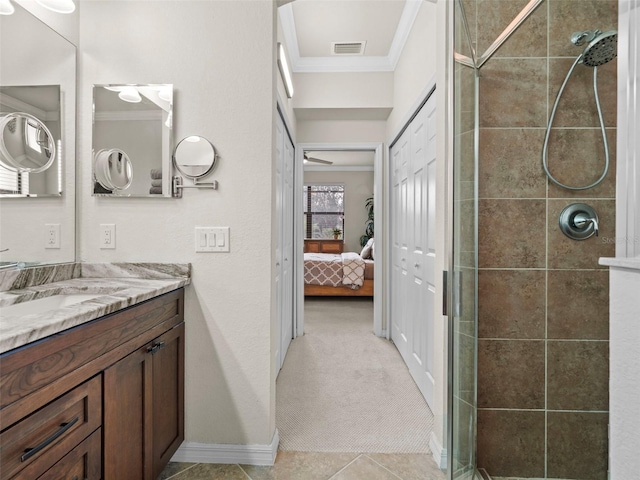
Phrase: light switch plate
x=212 y=239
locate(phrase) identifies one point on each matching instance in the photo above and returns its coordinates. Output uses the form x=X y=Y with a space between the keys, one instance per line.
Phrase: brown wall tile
x=577 y=445
x=465 y=351
x=576 y=158
x=568 y=16
x=511 y=304
x=577 y=375
x=513 y=93
x=577 y=107
x=511 y=443
x=511 y=374
x=511 y=233
x=510 y=164
x=497 y=14
x=584 y=254
x=578 y=304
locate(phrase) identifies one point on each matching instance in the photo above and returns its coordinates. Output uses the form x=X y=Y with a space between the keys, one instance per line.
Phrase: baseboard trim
x=439 y=453
x=227 y=453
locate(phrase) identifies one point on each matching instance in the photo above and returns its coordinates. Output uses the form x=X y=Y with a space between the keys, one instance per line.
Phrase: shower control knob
x=579 y=221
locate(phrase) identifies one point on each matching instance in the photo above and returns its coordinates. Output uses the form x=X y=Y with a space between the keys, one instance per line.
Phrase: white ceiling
x=310 y=26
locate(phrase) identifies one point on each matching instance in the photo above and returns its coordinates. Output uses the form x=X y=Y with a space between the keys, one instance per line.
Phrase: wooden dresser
x=317 y=245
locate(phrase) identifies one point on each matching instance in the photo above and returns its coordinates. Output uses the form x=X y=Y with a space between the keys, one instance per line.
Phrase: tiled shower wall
x=543 y=299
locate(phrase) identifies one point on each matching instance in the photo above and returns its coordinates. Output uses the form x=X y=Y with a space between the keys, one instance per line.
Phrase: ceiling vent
x=348 y=48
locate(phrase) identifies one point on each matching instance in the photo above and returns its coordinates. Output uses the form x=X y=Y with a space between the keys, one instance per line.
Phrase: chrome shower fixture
x=601 y=47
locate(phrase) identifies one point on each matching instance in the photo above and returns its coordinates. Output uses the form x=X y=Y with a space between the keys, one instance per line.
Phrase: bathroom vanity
x=103 y=398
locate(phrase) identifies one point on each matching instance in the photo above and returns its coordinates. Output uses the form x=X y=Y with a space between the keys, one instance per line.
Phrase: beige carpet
x=342 y=389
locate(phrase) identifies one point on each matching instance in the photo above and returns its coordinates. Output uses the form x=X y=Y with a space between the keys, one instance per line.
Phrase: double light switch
x=212 y=239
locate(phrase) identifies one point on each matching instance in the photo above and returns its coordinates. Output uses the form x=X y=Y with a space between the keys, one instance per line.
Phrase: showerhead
x=602 y=47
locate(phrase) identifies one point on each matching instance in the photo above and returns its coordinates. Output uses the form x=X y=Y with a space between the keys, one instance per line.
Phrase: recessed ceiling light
x=6 y=7
x=130 y=94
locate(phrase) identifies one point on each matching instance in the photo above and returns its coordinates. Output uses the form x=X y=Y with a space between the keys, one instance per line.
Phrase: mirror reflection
x=37 y=78
x=194 y=157
x=30 y=133
x=132 y=140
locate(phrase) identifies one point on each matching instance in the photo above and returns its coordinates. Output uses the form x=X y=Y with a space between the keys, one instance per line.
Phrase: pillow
x=366 y=250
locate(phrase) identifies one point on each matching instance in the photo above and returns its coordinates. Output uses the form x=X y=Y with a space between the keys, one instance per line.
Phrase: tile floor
x=316 y=466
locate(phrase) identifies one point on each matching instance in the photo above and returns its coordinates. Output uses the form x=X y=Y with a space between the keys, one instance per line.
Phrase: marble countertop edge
x=631 y=263
x=113 y=294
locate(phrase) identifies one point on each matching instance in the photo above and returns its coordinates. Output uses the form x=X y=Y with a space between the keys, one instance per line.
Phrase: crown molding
x=335 y=64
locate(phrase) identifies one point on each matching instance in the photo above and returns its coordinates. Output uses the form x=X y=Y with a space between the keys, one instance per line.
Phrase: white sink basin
x=42 y=305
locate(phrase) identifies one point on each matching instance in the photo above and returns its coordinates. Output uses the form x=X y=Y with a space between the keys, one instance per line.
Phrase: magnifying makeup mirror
x=26 y=144
x=194 y=157
x=113 y=170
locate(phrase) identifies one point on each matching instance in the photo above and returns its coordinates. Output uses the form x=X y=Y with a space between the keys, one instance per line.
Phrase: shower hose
x=604 y=134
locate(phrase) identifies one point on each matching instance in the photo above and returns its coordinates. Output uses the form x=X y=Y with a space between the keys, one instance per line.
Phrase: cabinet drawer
x=82 y=463
x=33 y=445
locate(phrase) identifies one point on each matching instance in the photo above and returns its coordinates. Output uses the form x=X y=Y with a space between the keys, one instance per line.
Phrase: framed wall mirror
x=37 y=171
x=132 y=140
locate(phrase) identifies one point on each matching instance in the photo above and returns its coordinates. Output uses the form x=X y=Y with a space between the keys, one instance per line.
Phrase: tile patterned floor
x=316 y=466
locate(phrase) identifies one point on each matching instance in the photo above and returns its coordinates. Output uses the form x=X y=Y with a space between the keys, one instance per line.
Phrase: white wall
x=345 y=131
x=417 y=64
x=358 y=186
x=625 y=373
x=67 y=25
x=220 y=57
x=344 y=90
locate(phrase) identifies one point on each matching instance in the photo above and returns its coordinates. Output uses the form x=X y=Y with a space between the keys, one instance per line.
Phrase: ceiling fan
x=307 y=158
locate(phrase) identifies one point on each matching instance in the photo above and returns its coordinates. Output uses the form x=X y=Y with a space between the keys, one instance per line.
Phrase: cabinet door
x=168 y=397
x=127 y=417
x=144 y=409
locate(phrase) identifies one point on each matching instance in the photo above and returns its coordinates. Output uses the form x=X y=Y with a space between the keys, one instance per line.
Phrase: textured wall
x=220 y=58
x=543 y=299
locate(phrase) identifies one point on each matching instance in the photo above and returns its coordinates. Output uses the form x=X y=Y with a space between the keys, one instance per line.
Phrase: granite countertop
x=116 y=286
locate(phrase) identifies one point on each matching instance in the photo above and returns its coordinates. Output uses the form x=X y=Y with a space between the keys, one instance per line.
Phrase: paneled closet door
x=400 y=157
x=413 y=212
x=284 y=247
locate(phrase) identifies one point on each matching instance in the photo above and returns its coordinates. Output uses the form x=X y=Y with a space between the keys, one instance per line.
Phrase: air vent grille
x=348 y=48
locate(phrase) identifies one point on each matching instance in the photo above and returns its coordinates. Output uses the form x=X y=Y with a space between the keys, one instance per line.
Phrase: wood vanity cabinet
x=103 y=400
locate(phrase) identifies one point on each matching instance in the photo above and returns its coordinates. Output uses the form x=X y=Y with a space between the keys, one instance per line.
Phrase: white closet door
x=284 y=247
x=287 y=251
x=400 y=156
x=413 y=256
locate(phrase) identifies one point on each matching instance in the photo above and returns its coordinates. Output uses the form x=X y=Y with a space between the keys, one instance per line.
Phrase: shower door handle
x=445 y=292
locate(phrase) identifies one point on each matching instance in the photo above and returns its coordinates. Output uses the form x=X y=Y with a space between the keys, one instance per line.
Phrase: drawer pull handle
x=155 y=347
x=30 y=452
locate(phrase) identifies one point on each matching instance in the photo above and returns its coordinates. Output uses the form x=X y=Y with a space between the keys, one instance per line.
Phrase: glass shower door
x=464 y=261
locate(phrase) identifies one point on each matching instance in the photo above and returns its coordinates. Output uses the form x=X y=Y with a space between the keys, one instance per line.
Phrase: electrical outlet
x=107 y=235
x=52 y=235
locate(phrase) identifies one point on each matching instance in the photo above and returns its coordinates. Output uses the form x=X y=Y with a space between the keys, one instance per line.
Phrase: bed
x=345 y=274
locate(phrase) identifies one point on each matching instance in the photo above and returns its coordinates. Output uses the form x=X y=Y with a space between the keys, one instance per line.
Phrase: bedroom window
x=323 y=210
